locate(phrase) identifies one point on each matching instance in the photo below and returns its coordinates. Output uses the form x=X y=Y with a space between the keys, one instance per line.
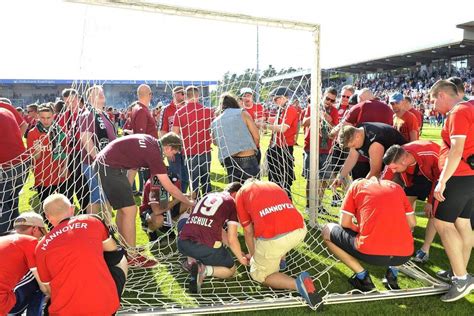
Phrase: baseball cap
x=29 y=219
x=243 y=91
x=397 y=97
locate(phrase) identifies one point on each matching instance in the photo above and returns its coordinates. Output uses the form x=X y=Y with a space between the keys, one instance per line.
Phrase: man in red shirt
x=202 y=239
x=193 y=123
x=272 y=227
x=280 y=151
x=71 y=262
x=403 y=120
x=256 y=111
x=455 y=188
x=416 y=112
x=165 y=125
x=32 y=116
x=20 y=286
x=346 y=93
x=14 y=165
x=416 y=166
x=133 y=152
x=142 y=121
x=19 y=119
x=382 y=235
x=47 y=141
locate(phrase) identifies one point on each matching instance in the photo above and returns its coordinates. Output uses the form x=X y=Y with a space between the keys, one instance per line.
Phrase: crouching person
x=272 y=227
x=202 y=238
x=382 y=234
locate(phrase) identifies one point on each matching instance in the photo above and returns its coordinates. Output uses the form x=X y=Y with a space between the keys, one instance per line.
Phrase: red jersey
x=341 y=111
x=209 y=216
x=268 y=208
x=11 y=142
x=426 y=154
x=419 y=116
x=70 y=125
x=149 y=197
x=406 y=124
x=18 y=118
x=255 y=111
x=142 y=122
x=165 y=123
x=46 y=170
x=324 y=147
x=71 y=259
x=286 y=116
x=18 y=256
x=459 y=123
x=194 y=122
x=370 y=111
x=380 y=209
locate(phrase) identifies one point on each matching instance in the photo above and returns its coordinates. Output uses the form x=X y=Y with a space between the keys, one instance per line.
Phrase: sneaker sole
x=354 y=285
x=460 y=295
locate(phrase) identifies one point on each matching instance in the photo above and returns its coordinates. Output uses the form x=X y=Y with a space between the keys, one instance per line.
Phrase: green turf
x=339 y=273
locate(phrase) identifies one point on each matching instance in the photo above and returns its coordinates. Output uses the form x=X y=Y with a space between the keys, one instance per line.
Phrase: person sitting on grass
x=382 y=234
x=202 y=238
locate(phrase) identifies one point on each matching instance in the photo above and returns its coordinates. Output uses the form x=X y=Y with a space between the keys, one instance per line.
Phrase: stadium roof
x=427 y=55
x=113 y=82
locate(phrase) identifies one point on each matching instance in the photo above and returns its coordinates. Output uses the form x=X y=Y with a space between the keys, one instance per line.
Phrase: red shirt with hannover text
x=380 y=209
x=267 y=206
x=71 y=259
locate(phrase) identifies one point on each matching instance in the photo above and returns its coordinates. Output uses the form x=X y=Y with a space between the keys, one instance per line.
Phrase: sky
x=52 y=39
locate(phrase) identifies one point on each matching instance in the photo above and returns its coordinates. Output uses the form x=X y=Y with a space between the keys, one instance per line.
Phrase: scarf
x=102 y=138
x=56 y=138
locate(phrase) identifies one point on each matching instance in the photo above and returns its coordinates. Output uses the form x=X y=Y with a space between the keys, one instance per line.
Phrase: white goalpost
x=162 y=290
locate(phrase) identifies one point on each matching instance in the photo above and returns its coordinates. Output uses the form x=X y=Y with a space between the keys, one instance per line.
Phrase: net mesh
x=64 y=153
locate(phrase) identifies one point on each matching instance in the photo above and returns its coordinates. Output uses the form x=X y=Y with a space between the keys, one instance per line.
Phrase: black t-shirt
x=380 y=133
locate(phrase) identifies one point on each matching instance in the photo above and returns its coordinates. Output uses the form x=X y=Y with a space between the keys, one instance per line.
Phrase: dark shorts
x=345 y=238
x=216 y=257
x=459 y=194
x=420 y=188
x=360 y=170
x=116 y=187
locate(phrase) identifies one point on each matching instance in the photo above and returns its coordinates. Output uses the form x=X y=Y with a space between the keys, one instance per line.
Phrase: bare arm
x=23 y=127
x=346 y=222
x=253 y=129
x=175 y=129
x=88 y=143
x=234 y=244
x=413 y=136
x=411 y=219
x=249 y=238
x=173 y=190
x=452 y=162
x=44 y=287
x=376 y=152
x=349 y=163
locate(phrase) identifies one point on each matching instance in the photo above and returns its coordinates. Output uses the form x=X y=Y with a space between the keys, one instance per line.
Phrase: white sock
x=464 y=277
x=209 y=270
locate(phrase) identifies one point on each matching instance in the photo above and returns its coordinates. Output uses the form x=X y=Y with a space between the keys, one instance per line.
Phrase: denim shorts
x=92 y=179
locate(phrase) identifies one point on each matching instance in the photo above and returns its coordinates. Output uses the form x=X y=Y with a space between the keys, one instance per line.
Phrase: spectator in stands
x=14 y=165
x=48 y=145
x=370 y=140
x=403 y=120
x=280 y=151
x=96 y=132
x=255 y=110
x=237 y=137
x=69 y=121
x=165 y=125
x=382 y=235
x=20 y=286
x=193 y=123
x=369 y=109
x=270 y=235
x=201 y=238
x=455 y=187
x=133 y=152
x=416 y=165
x=80 y=266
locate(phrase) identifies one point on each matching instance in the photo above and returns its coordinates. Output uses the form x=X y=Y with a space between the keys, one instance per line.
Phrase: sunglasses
x=330 y=100
x=346 y=96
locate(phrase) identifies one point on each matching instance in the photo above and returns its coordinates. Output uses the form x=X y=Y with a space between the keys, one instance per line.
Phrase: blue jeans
x=92 y=178
x=200 y=167
x=178 y=167
x=11 y=182
x=28 y=296
x=240 y=169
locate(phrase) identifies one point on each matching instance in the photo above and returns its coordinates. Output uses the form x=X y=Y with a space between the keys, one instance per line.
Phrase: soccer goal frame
x=433 y=286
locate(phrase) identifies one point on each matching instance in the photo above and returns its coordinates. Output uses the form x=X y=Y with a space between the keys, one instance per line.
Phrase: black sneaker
x=445 y=275
x=152 y=236
x=364 y=285
x=390 y=281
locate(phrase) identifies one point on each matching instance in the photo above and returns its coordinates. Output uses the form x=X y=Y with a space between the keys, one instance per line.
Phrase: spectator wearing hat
x=237 y=138
x=20 y=286
x=193 y=123
x=165 y=125
x=403 y=120
x=280 y=151
x=255 y=110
